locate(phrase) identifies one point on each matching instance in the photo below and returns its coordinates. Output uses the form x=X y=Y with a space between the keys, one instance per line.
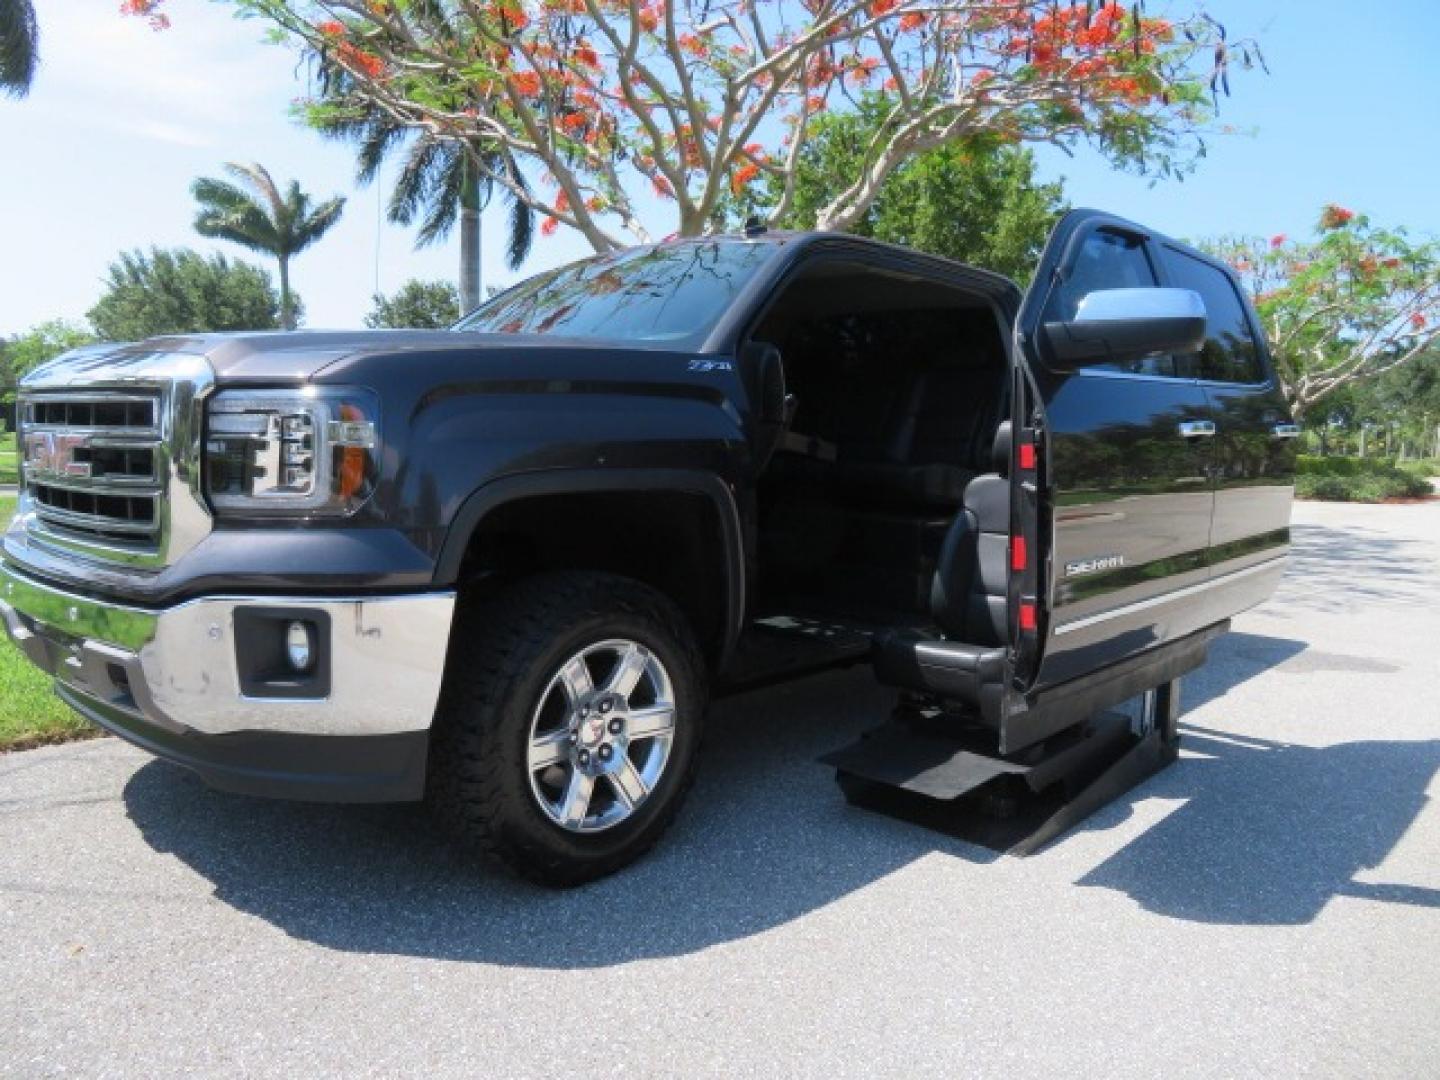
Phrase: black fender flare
x=490 y=496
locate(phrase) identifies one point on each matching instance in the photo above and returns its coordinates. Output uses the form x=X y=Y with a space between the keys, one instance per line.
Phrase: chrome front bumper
x=176 y=668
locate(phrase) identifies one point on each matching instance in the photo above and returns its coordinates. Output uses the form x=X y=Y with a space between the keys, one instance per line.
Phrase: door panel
x=1132 y=507
x=1129 y=497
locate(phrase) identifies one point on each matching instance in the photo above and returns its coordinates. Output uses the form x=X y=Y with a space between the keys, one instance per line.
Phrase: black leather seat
x=967 y=600
x=933 y=438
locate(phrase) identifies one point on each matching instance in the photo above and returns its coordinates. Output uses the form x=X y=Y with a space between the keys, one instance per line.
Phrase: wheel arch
x=508 y=526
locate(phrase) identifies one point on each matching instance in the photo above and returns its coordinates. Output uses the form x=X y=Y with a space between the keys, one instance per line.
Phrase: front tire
x=569 y=724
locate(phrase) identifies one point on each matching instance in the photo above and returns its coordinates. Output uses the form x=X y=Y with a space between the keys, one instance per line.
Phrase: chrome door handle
x=1286 y=431
x=1194 y=429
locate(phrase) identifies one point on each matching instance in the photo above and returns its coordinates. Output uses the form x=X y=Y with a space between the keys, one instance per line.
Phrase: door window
x=1229 y=353
x=1108 y=260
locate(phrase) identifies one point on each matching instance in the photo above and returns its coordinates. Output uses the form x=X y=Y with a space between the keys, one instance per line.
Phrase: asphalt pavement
x=1268 y=906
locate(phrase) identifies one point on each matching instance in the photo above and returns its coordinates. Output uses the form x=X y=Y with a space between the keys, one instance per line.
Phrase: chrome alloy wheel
x=600 y=737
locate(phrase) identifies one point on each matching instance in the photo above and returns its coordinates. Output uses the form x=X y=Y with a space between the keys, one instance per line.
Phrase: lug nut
x=574 y=738
x=584 y=711
x=605 y=705
x=606 y=753
x=584 y=757
x=615 y=726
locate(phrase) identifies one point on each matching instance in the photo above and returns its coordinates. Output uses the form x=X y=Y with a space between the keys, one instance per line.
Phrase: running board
x=958 y=784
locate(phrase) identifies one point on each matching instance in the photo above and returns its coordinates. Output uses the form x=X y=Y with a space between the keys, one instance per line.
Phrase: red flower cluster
x=741 y=177
x=148 y=10
x=360 y=61
x=1418 y=321
x=1335 y=217
x=1278 y=240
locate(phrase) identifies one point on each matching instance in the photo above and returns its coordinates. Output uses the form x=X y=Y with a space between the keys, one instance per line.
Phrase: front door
x=1127 y=454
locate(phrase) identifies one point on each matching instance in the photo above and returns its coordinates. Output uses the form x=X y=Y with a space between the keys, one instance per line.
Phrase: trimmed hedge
x=1350 y=479
x=1424 y=468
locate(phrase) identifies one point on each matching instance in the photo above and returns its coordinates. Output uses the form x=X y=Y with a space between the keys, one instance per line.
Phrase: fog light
x=300 y=645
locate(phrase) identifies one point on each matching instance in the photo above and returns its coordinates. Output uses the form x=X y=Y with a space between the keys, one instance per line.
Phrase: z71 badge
x=1091 y=566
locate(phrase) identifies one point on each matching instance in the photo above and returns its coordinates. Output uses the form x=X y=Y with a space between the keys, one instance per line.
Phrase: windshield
x=674 y=293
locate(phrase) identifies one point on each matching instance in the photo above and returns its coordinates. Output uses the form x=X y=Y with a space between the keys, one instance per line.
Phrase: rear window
x=1230 y=353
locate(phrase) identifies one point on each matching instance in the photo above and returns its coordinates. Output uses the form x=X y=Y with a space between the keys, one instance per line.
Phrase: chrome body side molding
x=1275 y=565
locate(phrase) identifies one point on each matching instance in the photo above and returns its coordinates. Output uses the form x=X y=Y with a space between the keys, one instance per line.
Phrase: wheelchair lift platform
x=920 y=768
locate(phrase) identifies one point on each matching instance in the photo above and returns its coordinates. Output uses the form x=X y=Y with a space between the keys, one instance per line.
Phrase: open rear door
x=1112 y=463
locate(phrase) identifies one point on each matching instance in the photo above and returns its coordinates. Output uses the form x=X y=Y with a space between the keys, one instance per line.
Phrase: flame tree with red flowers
x=608 y=102
x=1350 y=305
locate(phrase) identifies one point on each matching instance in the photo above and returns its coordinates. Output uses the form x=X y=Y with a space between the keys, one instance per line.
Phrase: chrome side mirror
x=1118 y=325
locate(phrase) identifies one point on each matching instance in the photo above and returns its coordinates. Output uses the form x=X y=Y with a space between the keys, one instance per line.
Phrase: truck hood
x=267 y=356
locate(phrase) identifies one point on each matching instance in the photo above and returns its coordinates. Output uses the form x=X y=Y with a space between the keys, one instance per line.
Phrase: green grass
x=30 y=713
x=9 y=464
x=1349 y=479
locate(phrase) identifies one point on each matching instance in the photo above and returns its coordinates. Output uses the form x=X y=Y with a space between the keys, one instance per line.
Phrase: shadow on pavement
x=765 y=838
x=1269 y=833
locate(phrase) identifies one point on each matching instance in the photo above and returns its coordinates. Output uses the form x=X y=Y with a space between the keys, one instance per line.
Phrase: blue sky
x=99 y=158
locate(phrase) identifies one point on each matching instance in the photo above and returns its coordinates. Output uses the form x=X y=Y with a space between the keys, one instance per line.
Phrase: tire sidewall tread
x=504 y=651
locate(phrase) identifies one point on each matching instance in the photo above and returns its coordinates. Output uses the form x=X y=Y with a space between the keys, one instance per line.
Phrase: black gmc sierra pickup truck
x=504 y=566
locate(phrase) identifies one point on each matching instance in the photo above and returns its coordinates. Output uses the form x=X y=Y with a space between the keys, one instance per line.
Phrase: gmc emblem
x=50 y=454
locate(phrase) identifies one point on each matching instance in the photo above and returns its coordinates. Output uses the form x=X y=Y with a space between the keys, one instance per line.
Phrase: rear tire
x=552 y=750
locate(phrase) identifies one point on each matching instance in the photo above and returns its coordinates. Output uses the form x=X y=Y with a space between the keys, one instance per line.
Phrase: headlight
x=290 y=451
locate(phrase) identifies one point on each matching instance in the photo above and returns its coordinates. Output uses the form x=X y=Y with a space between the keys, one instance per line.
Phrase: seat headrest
x=1000 y=449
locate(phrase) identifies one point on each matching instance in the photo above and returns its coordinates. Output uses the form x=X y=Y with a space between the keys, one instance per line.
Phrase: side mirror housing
x=765 y=373
x=1119 y=325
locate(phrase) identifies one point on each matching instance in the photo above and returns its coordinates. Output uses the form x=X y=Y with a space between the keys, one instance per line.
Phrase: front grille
x=94 y=468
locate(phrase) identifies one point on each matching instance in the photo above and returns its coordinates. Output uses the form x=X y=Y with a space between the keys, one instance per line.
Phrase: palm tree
x=253 y=213
x=441 y=180
x=19 y=46
x=440 y=183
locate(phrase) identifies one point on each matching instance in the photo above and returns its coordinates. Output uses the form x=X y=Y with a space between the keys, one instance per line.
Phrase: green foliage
x=19 y=46
x=1347 y=479
x=611 y=106
x=1423 y=468
x=437 y=178
x=420 y=305
x=1351 y=304
x=975 y=201
x=29 y=350
x=180 y=291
